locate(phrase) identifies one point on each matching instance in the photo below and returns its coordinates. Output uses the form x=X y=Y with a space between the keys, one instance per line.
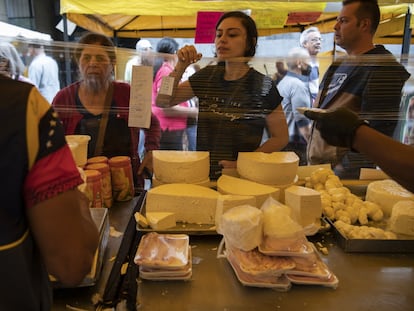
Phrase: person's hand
x=338 y=126
x=188 y=55
x=146 y=167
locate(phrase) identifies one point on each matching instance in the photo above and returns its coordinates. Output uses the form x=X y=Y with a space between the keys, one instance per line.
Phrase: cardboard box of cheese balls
x=381 y=219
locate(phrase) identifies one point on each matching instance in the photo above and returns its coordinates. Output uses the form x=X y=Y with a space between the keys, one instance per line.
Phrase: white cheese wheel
x=238 y=186
x=276 y=168
x=402 y=218
x=228 y=201
x=386 y=193
x=242 y=228
x=305 y=203
x=190 y=203
x=155 y=182
x=188 y=167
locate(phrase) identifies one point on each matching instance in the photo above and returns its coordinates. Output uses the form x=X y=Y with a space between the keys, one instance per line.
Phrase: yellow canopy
x=177 y=18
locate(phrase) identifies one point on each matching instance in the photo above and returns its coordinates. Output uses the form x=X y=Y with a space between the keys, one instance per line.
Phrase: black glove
x=338 y=126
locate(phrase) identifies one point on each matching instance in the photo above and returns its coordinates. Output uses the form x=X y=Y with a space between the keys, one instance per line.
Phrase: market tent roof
x=13 y=31
x=178 y=18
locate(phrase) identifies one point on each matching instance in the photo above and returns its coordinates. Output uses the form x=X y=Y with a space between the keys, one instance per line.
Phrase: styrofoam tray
x=332 y=281
x=280 y=283
x=305 y=250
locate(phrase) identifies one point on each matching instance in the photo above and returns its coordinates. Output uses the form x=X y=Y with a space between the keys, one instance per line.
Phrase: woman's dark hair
x=167 y=46
x=249 y=25
x=96 y=39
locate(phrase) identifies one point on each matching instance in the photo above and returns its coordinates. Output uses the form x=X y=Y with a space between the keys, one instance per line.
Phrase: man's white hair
x=305 y=33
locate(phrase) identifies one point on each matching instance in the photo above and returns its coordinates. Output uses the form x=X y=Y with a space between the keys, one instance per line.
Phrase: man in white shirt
x=143 y=45
x=44 y=72
x=311 y=40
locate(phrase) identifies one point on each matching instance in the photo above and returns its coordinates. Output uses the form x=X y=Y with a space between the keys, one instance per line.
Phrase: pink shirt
x=166 y=122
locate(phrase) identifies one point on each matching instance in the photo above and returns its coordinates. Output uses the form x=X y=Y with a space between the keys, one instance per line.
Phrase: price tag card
x=140 y=100
x=167 y=85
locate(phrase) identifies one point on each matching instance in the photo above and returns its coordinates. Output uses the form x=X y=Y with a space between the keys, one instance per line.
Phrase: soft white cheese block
x=386 y=193
x=181 y=166
x=161 y=220
x=278 y=221
x=238 y=186
x=228 y=201
x=305 y=203
x=402 y=218
x=276 y=168
x=190 y=203
x=242 y=227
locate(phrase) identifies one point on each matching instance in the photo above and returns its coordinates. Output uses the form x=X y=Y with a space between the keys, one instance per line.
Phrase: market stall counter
x=367 y=281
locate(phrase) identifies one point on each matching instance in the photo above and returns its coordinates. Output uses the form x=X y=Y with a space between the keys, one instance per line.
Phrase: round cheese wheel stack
x=386 y=193
x=242 y=227
x=276 y=168
x=189 y=167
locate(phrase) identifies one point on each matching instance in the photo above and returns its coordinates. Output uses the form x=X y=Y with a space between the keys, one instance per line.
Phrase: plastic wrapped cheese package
x=242 y=227
x=280 y=230
x=168 y=251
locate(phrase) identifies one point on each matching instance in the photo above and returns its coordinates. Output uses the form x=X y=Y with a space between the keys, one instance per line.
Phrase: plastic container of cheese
x=166 y=251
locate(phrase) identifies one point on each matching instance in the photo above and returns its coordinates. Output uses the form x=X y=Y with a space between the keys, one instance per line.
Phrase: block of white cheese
x=305 y=203
x=238 y=186
x=141 y=220
x=190 y=203
x=188 y=167
x=402 y=218
x=161 y=220
x=280 y=231
x=276 y=168
x=242 y=227
x=228 y=201
x=386 y=193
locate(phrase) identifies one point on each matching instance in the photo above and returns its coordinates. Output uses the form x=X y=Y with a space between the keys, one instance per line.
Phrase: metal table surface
x=367 y=281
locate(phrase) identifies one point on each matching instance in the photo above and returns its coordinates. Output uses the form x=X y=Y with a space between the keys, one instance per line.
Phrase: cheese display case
x=386 y=265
